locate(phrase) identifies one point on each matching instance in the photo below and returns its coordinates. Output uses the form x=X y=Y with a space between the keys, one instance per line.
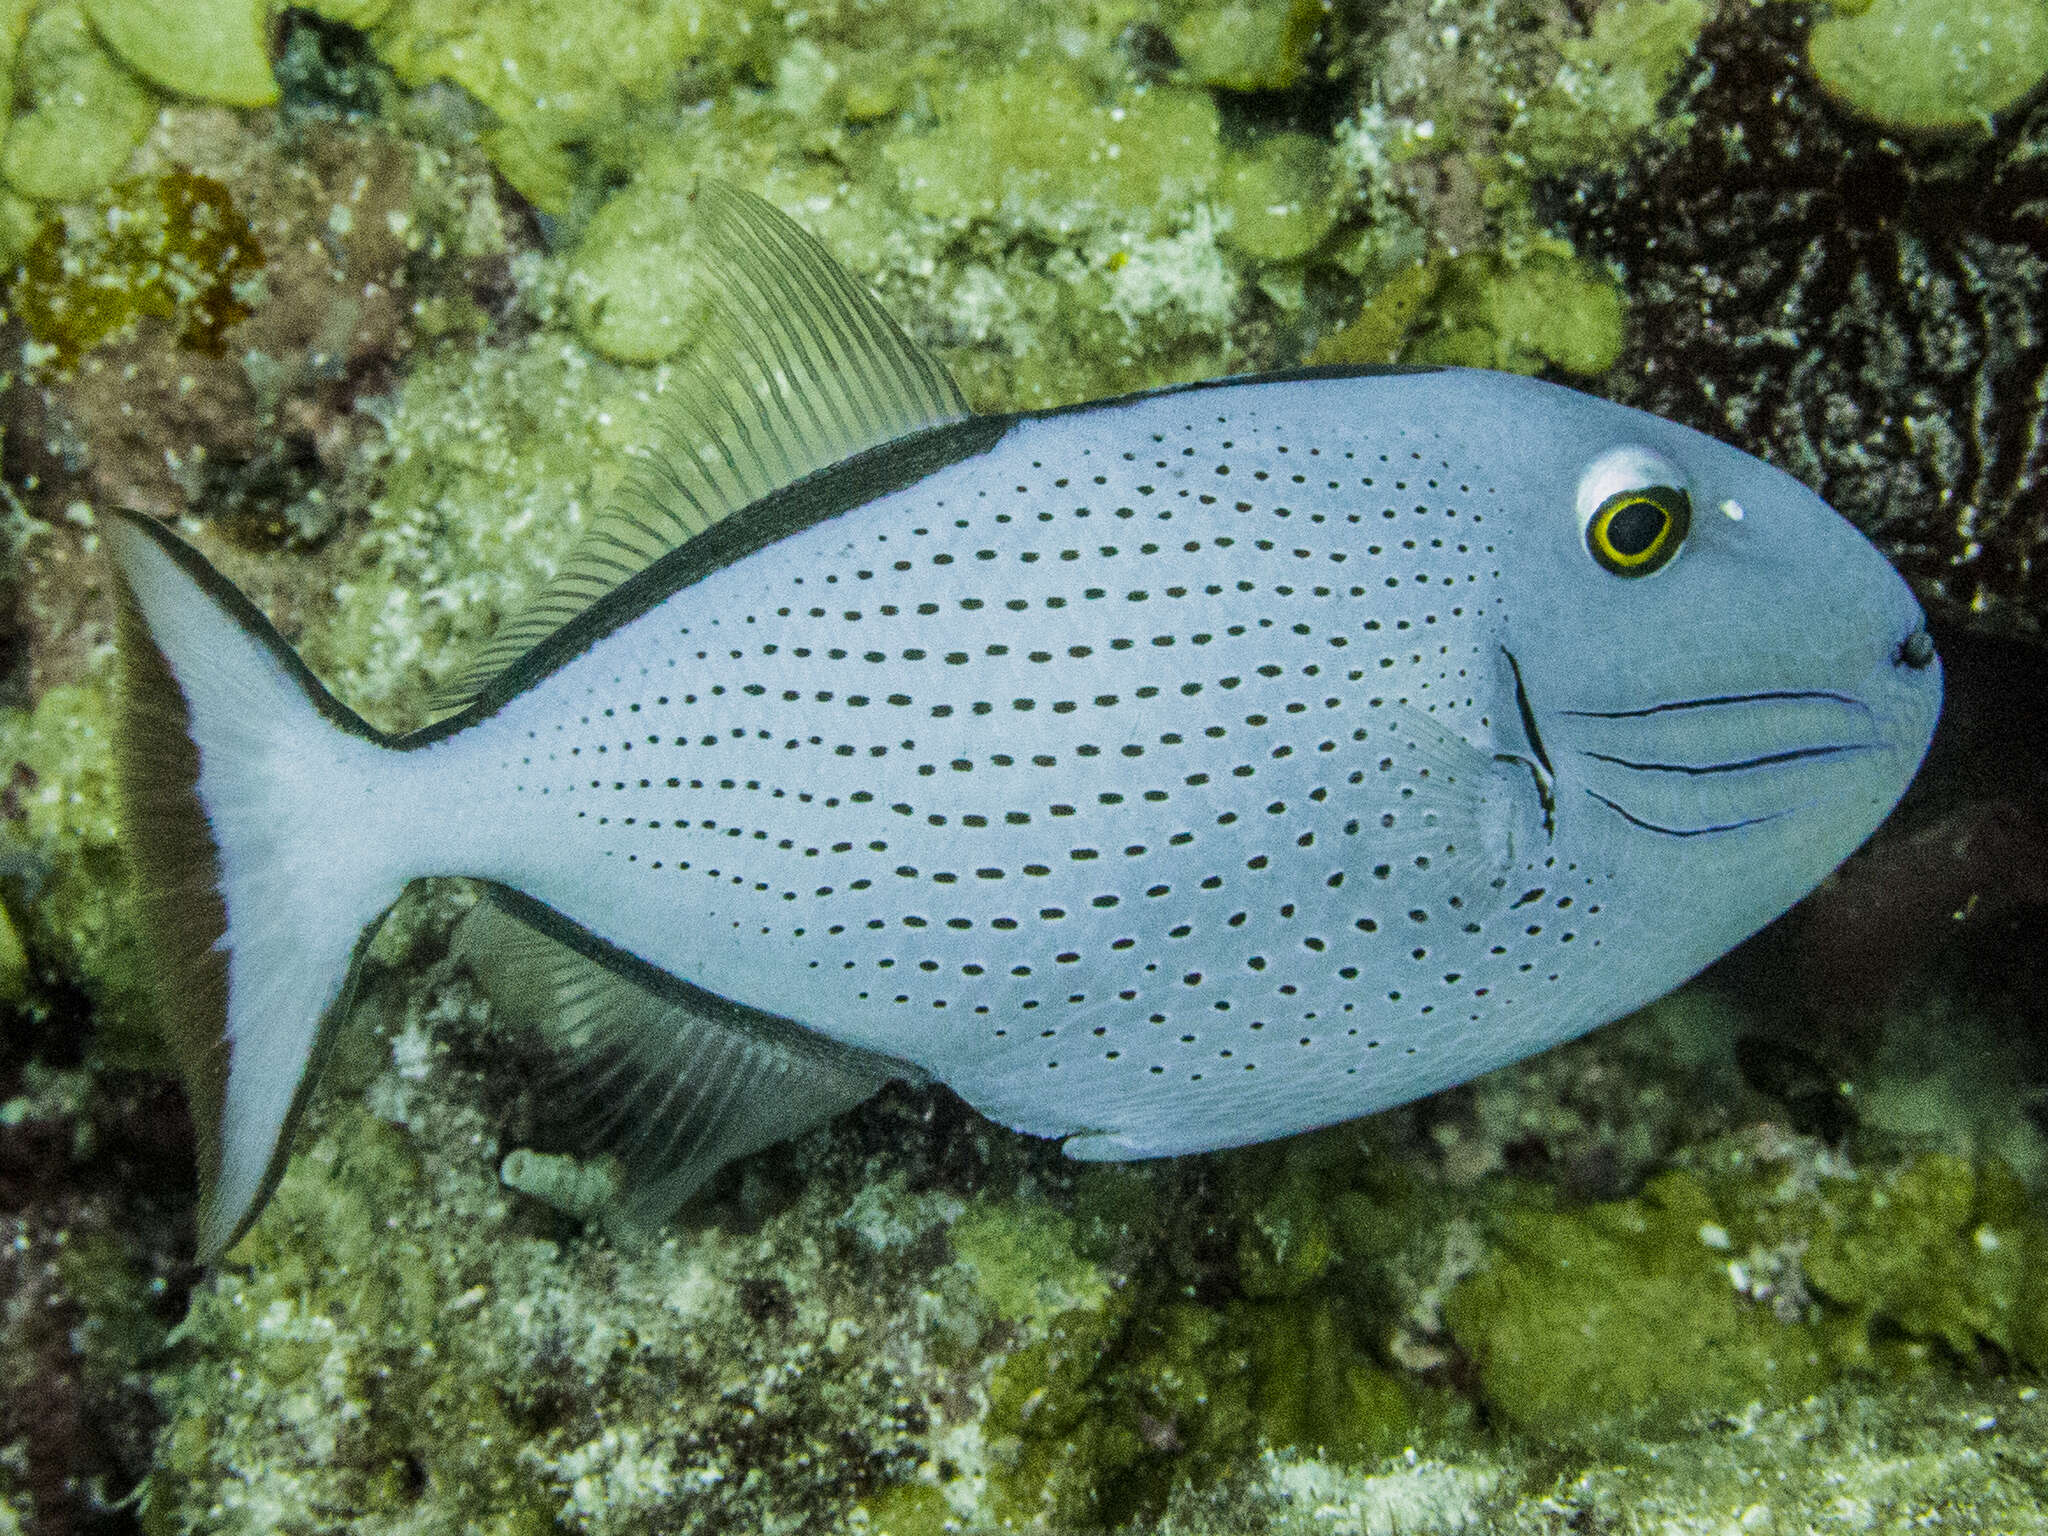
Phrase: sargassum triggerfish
x=1165 y=773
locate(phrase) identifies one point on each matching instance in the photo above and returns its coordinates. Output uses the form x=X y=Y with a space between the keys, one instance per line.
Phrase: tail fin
x=250 y=797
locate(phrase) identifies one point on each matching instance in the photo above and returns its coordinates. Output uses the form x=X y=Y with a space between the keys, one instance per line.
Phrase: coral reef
x=1010 y=1340
x=1860 y=309
x=1741 y=1262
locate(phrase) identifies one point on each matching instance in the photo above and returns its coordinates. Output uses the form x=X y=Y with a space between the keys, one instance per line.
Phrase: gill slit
x=1539 y=767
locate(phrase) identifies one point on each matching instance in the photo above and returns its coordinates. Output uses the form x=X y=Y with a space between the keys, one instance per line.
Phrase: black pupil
x=1635 y=528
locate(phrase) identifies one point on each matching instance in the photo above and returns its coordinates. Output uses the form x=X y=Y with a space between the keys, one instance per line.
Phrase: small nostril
x=1915 y=651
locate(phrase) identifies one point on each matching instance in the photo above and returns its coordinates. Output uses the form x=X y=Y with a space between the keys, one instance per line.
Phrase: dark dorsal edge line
x=650 y=978
x=817 y=498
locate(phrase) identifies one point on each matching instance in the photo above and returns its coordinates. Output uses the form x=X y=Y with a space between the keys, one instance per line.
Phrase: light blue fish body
x=1164 y=774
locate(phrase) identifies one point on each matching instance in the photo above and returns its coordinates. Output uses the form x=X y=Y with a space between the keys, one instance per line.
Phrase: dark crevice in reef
x=1870 y=314
x=1949 y=901
x=96 y=1197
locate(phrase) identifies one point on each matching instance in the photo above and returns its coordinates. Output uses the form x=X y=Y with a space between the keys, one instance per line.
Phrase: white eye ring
x=1630 y=467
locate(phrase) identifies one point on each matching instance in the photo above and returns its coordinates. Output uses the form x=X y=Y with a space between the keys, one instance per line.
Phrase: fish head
x=1719 y=687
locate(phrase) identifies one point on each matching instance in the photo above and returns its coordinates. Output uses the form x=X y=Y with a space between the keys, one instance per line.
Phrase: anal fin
x=672 y=1081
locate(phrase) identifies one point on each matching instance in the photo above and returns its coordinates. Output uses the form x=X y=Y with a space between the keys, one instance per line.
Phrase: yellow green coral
x=1034 y=146
x=562 y=78
x=215 y=50
x=83 y=114
x=61 y=842
x=1932 y=64
x=1542 y=309
x=1243 y=46
x=1609 y=86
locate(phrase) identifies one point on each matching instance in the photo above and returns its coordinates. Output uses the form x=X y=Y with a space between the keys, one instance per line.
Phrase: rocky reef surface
x=371 y=297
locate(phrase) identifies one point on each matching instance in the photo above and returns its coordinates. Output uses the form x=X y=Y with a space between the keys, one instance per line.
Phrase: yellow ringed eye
x=1637 y=531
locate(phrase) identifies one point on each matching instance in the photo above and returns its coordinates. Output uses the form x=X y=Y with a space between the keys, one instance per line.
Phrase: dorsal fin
x=670 y=1080
x=792 y=366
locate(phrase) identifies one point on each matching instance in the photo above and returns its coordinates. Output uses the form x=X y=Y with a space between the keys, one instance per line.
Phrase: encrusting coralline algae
x=910 y=1318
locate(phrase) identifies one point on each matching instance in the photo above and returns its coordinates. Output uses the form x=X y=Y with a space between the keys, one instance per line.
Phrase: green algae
x=1240 y=46
x=564 y=79
x=84 y=113
x=1931 y=1455
x=1034 y=147
x=1785 y=1287
x=1570 y=1322
x=1122 y=313
x=1932 y=65
x=14 y=972
x=1543 y=309
x=1610 y=86
x=61 y=849
x=1938 y=1250
x=1070 y=224
x=397 y=1342
x=20 y=222
x=173 y=246
x=120 y=1332
x=328 y=1374
x=1286 y=1242
x=496 y=458
x=1095 y=1425
x=1026 y=1261
x=625 y=293
x=213 y=50
x=1180 y=1380
x=1278 y=198
x=910 y=1509
x=351 y=13
x=1173 y=1377
x=14 y=15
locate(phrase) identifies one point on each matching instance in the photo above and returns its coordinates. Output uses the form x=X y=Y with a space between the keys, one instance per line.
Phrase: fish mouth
x=1716 y=762
x=1916 y=652
x=1719 y=763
